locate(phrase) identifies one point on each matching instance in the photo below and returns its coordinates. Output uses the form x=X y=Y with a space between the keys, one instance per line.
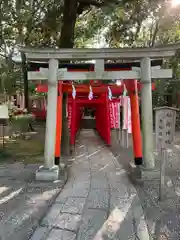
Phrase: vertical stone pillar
x=147 y=114
x=99 y=65
x=49 y=171
x=51 y=114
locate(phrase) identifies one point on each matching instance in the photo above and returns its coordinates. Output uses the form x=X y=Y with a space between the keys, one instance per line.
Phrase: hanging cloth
x=73 y=91
x=129 y=116
x=125 y=107
x=90 y=93
x=125 y=90
x=109 y=93
x=127 y=124
x=125 y=112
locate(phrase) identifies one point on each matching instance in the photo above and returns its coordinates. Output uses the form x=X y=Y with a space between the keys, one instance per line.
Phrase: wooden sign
x=165 y=127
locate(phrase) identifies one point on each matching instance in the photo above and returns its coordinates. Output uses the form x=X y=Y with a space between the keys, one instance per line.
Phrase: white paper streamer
x=90 y=93
x=73 y=92
x=109 y=93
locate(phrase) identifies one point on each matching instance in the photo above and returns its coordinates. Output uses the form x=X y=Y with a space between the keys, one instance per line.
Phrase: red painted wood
x=136 y=129
x=58 y=126
x=84 y=89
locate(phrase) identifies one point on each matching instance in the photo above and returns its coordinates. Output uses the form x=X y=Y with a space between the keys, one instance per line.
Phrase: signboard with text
x=111 y=113
x=69 y=114
x=165 y=127
x=114 y=112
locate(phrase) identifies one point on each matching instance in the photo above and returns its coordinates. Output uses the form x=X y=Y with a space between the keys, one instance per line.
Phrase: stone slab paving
x=23 y=201
x=98 y=202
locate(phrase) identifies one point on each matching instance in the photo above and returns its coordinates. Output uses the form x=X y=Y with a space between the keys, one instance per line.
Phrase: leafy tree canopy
x=82 y=23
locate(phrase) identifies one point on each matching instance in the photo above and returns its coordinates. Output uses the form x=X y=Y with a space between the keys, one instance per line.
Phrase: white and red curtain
x=114 y=112
x=126 y=114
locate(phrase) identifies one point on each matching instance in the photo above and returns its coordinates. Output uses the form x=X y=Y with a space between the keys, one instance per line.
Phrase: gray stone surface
x=144 y=174
x=74 y=205
x=100 y=183
x=118 y=226
x=97 y=201
x=23 y=202
x=98 y=198
x=41 y=233
x=92 y=222
x=53 y=213
x=78 y=191
x=162 y=217
x=57 y=234
x=43 y=174
x=67 y=221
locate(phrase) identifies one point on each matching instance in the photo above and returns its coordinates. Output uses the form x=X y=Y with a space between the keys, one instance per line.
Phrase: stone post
x=51 y=114
x=49 y=171
x=147 y=114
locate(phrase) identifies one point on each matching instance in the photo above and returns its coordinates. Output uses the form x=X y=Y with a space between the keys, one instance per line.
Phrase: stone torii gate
x=51 y=172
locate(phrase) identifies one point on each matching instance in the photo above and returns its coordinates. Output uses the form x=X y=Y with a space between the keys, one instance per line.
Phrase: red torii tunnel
x=101 y=102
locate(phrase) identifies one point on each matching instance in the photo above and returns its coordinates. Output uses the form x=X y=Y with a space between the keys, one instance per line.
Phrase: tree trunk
x=69 y=20
x=26 y=87
x=25 y=79
x=154 y=34
x=67 y=41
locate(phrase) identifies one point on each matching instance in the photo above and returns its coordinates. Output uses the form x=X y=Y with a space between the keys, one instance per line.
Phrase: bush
x=21 y=122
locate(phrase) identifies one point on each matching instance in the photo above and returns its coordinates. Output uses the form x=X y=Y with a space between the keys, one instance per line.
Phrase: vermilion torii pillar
x=58 y=124
x=135 y=121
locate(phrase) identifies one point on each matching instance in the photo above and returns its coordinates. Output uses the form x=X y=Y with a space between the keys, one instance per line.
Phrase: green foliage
x=88 y=25
x=10 y=78
x=118 y=22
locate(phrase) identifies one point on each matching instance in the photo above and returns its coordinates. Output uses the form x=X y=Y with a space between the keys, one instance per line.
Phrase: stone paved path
x=98 y=202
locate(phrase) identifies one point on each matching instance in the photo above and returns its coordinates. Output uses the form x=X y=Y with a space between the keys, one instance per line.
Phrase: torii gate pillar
x=50 y=171
x=147 y=114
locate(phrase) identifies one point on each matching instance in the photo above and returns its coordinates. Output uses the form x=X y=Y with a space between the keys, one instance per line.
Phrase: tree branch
x=98 y=3
x=153 y=39
x=90 y=2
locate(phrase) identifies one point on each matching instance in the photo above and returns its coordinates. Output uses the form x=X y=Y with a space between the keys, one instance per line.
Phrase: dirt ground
x=27 y=149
